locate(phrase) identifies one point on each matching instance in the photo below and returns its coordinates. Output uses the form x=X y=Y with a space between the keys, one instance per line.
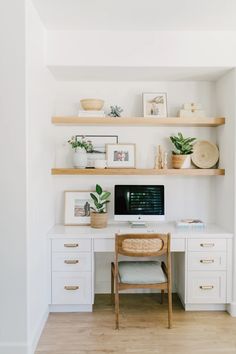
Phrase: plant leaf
x=105 y=195
x=94 y=197
x=98 y=189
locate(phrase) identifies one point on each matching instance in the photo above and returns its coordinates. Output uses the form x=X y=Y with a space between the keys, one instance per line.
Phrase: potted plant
x=81 y=147
x=181 y=156
x=99 y=215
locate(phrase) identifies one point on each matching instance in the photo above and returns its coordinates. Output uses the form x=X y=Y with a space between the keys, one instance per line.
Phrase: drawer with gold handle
x=71 y=288
x=207 y=260
x=72 y=245
x=203 y=244
x=73 y=262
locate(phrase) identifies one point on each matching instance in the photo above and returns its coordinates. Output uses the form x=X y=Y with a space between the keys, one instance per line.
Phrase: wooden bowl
x=205 y=154
x=92 y=104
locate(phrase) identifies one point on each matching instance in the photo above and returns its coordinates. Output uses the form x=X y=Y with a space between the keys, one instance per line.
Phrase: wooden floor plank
x=143 y=330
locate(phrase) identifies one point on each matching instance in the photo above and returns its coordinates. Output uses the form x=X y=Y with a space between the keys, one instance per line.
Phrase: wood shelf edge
x=139 y=171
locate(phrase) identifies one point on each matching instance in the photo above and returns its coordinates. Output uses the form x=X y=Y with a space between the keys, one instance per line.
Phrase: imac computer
x=139 y=203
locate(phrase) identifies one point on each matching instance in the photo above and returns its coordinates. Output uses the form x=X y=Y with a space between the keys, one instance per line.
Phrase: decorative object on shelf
x=165 y=160
x=88 y=113
x=205 y=154
x=155 y=105
x=181 y=156
x=92 y=104
x=190 y=224
x=98 y=151
x=115 y=111
x=80 y=146
x=100 y=164
x=77 y=207
x=99 y=214
x=120 y=155
x=192 y=110
x=158 y=161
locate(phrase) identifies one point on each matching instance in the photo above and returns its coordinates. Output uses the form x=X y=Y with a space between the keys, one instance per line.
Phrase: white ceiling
x=138 y=14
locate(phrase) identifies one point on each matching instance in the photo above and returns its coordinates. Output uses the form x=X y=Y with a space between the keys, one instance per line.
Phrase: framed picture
x=77 y=207
x=99 y=146
x=155 y=105
x=120 y=155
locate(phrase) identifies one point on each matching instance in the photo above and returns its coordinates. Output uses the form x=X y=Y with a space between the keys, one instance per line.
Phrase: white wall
x=40 y=91
x=141 y=48
x=13 y=258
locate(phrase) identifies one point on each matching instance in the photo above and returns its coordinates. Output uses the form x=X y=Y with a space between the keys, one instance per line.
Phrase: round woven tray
x=205 y=154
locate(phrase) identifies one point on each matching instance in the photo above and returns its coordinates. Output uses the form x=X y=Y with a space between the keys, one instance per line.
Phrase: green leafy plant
x=100 y=199
x=115 y=111
x=81 y=143
x=183 y=146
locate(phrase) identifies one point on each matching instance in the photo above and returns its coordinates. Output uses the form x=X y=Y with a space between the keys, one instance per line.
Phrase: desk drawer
x=206 y=287
x=207 y=245
x=71 y=245
x=206 y=260
x=75 y=262
x=104 y=245
x=71 y=288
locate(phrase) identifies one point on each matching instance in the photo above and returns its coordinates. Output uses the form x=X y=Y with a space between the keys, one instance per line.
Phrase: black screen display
x=139 y=200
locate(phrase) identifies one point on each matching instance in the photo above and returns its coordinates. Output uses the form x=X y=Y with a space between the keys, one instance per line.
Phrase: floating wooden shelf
x=140 y=121
x=138 y=171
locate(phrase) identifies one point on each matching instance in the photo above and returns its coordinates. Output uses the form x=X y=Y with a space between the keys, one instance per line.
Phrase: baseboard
x=70 y=308
x=205 y=307
x=38 y=331
x=231 y=309
x=13 y=348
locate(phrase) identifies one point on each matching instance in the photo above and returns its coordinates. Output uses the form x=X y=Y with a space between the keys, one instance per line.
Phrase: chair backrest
x=142 y=245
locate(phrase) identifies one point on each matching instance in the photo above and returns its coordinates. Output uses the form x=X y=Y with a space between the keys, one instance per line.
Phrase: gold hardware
x=207 y=244
x=206 y=287
x=71 y=287
x=207 y=261
x=71 y=261
x=71 y=245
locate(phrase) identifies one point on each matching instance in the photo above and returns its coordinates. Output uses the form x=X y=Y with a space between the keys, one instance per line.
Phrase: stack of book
x=190 y=224
x=91 y=113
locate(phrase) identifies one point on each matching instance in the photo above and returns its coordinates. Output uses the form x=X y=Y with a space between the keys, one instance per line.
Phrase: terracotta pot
x=181 y=161
x=99 y=220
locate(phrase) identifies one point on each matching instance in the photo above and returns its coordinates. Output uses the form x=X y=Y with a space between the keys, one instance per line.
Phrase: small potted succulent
x=80 y=146
x=99 y=214
x=181 y=156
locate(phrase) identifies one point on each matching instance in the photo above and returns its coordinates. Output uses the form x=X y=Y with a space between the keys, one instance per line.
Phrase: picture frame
x=155 y=105
x=121 y=155
x=77 y=207
x=99 y=143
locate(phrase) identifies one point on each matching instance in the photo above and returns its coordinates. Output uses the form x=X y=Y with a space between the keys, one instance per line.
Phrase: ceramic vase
x=80 y=158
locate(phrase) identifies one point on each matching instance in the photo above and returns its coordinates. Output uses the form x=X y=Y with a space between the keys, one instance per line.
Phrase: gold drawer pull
x=207 y=261
x=206 y=287
x=71 y=287
x=71 y=261
x=71 y=245
x=207 y=244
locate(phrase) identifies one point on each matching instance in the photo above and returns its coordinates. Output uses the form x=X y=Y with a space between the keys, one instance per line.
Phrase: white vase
x=80 y=158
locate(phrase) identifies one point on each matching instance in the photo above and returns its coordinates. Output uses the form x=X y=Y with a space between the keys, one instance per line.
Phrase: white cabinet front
x=71 y=262
x=71 y=288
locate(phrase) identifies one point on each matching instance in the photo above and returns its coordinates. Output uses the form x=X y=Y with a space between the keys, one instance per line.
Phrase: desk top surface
x=209 y=231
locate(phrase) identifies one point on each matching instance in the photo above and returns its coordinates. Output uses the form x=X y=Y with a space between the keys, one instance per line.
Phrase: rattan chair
x=142 y=274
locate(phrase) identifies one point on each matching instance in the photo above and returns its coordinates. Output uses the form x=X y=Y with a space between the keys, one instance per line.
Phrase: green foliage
x=100 y=199
x=81 y=143
x=183 y=146
x=115 y=111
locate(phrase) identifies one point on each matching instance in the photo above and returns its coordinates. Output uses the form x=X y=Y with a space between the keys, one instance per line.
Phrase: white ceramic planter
x=181 y=161
x=80 y=158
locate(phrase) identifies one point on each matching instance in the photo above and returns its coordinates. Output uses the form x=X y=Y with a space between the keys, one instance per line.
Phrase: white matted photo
x=120 y=155
x=155 y=105
x=77 y=207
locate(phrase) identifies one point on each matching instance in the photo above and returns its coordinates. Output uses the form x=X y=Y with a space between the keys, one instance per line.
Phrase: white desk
x=203 y=264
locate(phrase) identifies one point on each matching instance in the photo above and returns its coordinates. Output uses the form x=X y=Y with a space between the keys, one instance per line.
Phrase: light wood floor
x=143 y=330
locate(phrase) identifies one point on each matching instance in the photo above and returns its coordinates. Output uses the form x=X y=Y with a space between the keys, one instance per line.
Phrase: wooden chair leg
x=117 y=307
x=169 y=307
x=162 y=296
x=112 y=286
